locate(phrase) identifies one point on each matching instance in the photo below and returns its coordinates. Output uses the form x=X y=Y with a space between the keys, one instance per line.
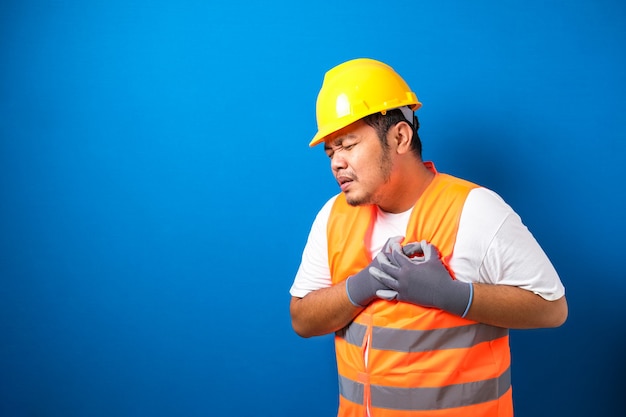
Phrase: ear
x=403 y=137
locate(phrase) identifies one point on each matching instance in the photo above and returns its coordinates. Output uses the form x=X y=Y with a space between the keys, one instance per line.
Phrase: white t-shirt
x=492 y=246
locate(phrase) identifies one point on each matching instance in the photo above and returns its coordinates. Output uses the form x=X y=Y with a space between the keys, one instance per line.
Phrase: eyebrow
x=339 y=140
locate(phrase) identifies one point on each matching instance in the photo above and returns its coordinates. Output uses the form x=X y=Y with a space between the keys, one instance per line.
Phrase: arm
x=515 y=308
x=515 y=284
x=322 y=311
x=415 y=274
x=329 y=309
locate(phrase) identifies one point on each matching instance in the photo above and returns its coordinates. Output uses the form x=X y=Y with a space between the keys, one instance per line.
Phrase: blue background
x=157 y=188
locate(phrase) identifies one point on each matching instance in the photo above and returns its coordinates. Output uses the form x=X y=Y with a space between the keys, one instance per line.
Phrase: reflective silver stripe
x=450 y=396
x=385 y=338
x=353 y=333
x=351 y=390
x=422 y=399
x=400 y=340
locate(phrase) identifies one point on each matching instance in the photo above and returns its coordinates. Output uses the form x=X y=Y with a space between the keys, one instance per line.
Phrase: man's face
x=360 y=164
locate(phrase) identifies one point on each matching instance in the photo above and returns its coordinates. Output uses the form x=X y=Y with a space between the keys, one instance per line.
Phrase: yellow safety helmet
x=358 y=88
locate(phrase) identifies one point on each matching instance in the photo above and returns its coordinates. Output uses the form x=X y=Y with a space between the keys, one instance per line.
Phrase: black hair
x=382 y=123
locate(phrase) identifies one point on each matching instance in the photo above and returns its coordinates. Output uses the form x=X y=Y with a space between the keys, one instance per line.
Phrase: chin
x=354 y=201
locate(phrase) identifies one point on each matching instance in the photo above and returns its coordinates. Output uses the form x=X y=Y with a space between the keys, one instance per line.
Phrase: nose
x=337 y=162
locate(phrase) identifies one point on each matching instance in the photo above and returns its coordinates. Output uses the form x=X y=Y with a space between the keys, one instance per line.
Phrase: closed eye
x=331 y=152
x=340 y=145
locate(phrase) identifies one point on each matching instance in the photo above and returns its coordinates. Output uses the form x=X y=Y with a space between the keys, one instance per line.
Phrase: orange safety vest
x=398 y=359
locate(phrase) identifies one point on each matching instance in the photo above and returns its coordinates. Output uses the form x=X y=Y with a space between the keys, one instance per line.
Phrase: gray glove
x=415 y=274
x=362 y=286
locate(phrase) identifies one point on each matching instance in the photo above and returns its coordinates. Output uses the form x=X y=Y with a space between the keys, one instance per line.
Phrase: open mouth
x=344 y=182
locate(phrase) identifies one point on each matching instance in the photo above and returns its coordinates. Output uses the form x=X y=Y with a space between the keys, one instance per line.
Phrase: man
x=418 y=273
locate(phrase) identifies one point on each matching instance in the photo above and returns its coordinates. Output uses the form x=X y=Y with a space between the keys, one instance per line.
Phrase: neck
x=407 y=188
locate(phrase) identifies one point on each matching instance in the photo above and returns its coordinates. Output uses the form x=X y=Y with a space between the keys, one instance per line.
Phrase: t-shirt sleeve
x=313 y=272
x=494 y=246
x=515 y=258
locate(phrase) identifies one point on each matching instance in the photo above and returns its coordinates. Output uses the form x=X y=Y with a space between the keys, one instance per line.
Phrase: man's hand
x=415 y=274
x=362 y=287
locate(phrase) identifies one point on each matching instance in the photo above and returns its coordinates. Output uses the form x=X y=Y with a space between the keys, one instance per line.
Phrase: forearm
x=323 y=311
x=515 y=308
